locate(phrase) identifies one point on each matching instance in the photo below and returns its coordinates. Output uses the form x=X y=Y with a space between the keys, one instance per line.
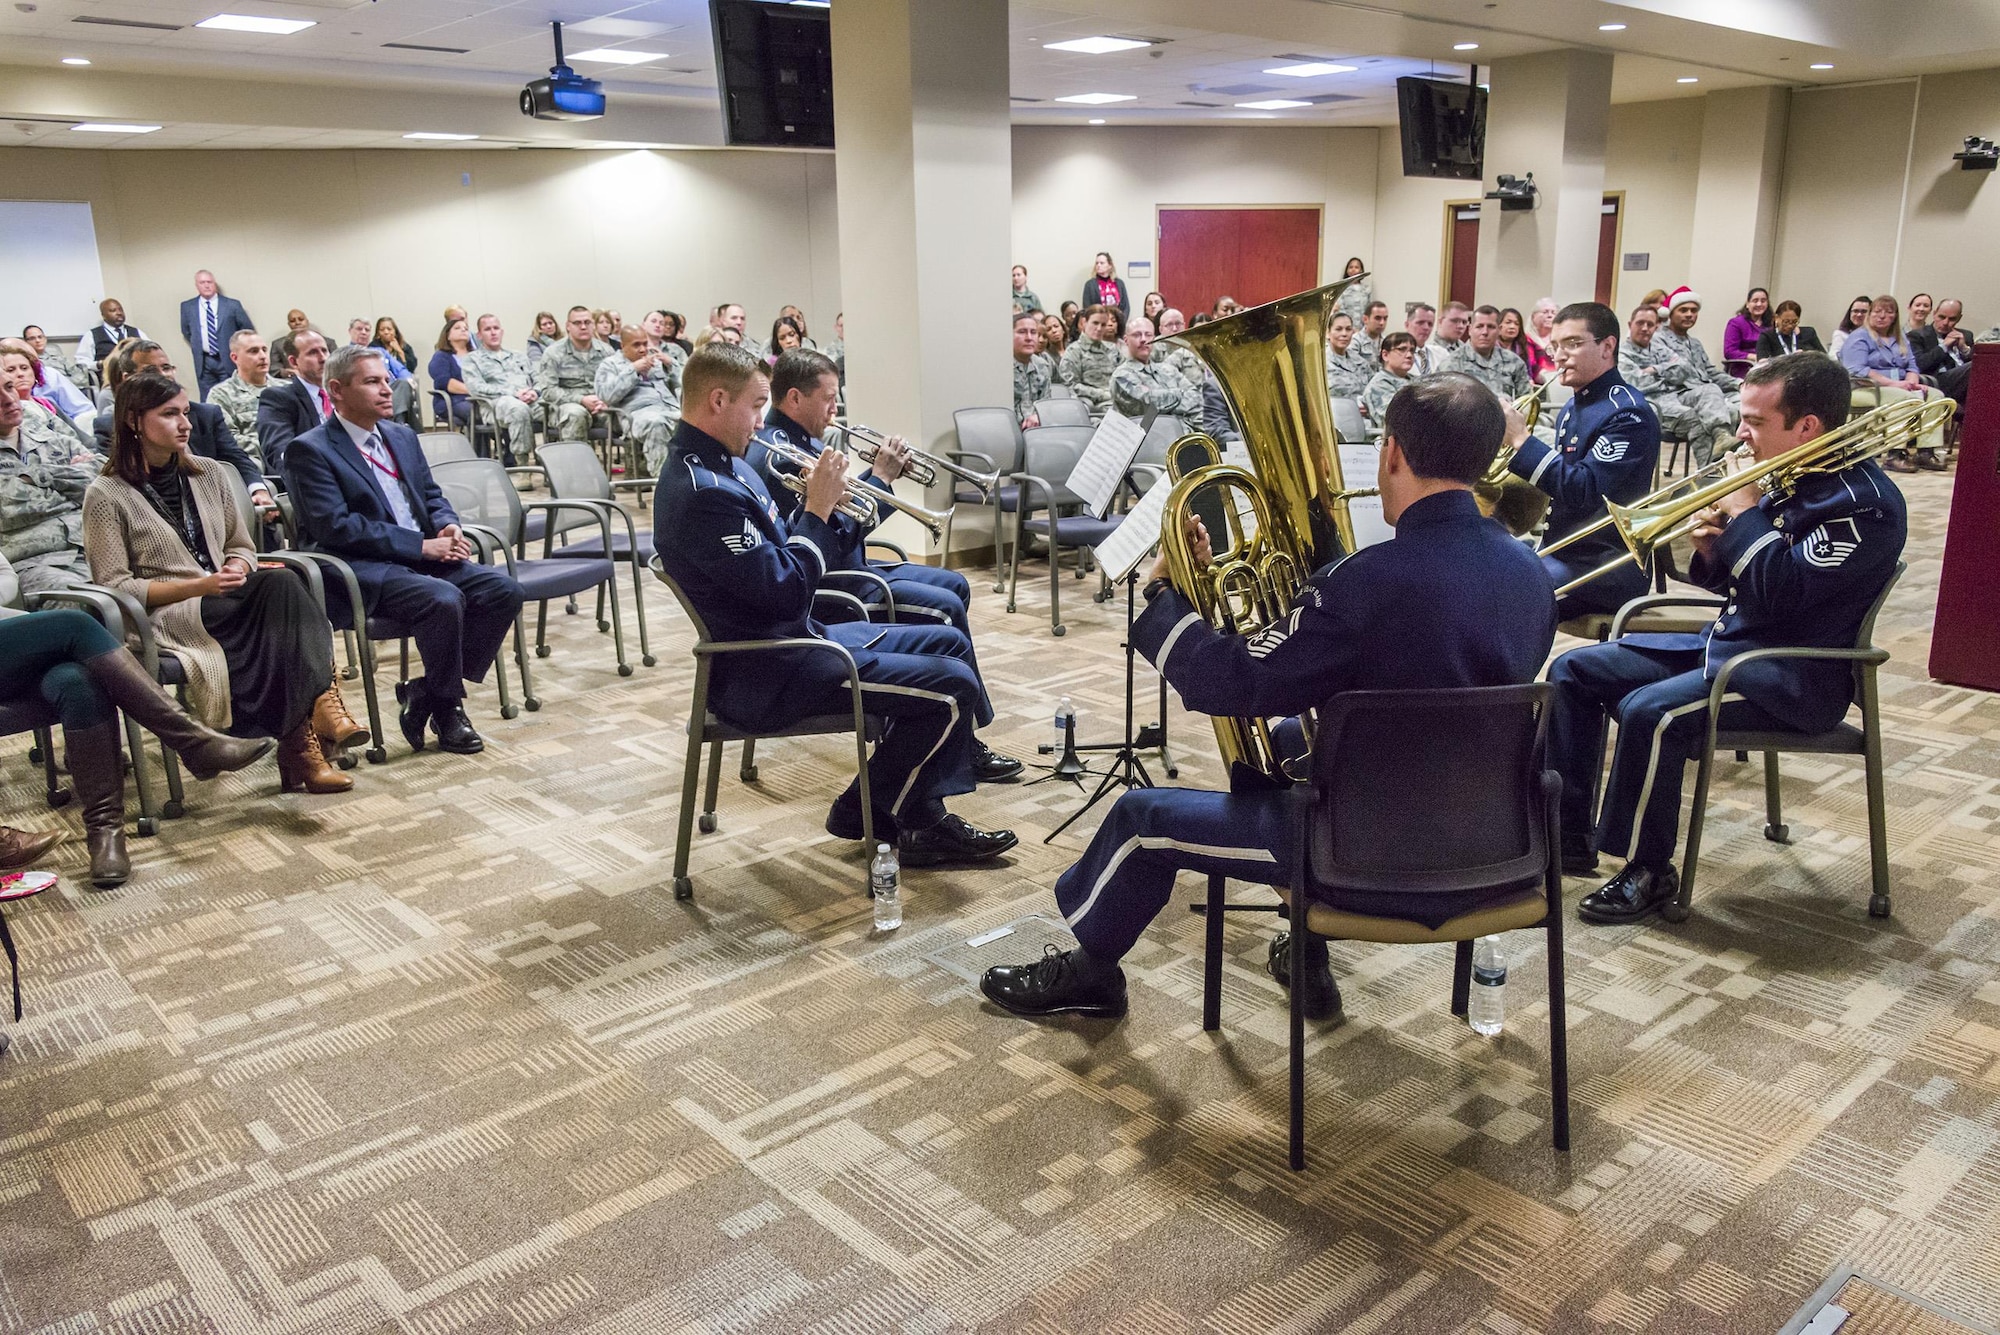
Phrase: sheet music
x=1134 y=540
x=1106 y=460
x=1357 y=465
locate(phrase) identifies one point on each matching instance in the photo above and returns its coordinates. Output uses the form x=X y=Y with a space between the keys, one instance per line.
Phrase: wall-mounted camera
x=1515 y=193
x=1980 y=155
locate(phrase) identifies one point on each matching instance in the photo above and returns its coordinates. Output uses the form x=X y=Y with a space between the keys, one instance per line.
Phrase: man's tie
x=208 y=310
x=325 y=404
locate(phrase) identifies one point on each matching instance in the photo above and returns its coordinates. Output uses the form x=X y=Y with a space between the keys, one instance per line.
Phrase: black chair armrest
x=93 y=599
x=308 y=570
x=1653 y=600
x=488 y=541
x=867 y=579
x=596 y=507
x=714 y=648
x=1868 y=657
x=130 y=613
x=846 y=602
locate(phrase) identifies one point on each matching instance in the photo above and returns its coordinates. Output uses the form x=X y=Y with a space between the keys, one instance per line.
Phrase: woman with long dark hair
x=1856 y=318
x=162 y=525
x=390 y=339
x=450 y=399
x=1514 y=338
x=1740 y=335
x=1354 y=298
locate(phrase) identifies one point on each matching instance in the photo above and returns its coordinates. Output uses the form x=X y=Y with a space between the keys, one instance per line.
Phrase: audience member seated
x=451 y=401
x=1885 y=370
x=1745 y=328
x=547 y=330
x=661 y=324
x=566 y=377
x=288 y=410
x=1182 y=359
x=401 y=357
x=504 y=381
x=1368 y=337
x=729 y=317
x=54 y=389
x=1435 y=357
x=837 y=350
x=1541 y=321
x=1920 y=308
x=604 y=326
x=42 y=481
x=1687 y=411
x=1482 y=358
x=1942 y=350
x=1087 y=364
x=212 y=439
x=798 y=317
x=80 y=374
x=1709 y=393
x=643 y=383
x=786 y=334
x=1514 y=338
x=161 y=525
x=1786 y=334
x=1105 y=288
x=1143 y=384
x=1033 y=371
x=23 y=370
x=360 y=331
x=364 y=493
x=1226 y=307
x=1024 y=297
x=1055 y=338
x=1399 y=354
x=1347 y=374
x=675 y=335
x=237 y=397
x=95 y=346
x=1856 y=318
x=1151 y=306
x=1419 y=319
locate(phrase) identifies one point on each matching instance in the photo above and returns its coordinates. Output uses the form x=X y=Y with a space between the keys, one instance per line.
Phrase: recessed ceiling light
x=1611 y=27
x=1687 y=78
x=74 y=60
x=1097 y=46
x=1822 y=66
x=437 y=134
x=105 y=127
x=254 y=23
x=1097 y=120
x=1273 y=104
x=1099 y=99
x=1310 y=68
x=1465 y=46
x=606 y=56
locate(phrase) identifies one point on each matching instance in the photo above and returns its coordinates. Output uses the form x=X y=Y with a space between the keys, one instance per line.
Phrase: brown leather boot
x=302 y=765
x=97 y=770
x=20 y=849
x=201 y=748
x=337 y=729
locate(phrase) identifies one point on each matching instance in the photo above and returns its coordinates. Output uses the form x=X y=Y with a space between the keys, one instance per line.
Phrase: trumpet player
x=1452 y=600
x=805 y=390
x=751 y=576
x=1797 y=569
x=1607 y=443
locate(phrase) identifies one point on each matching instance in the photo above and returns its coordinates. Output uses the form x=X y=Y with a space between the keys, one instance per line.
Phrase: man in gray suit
x=208 y=321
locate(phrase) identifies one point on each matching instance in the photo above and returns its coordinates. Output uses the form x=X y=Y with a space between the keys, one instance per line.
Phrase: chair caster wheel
x=533 y=704
x=604 y=628
x=347 y=762
x=542 y=651
x=377 y=755
x=650 y=661
x=1778 y=834
x=147 y=827
x=624 y=669
x=683 y=888
x=511 y=711
x=1058 y=631
x=59 y=798
x=750 y=775
x=1174 y=772
x=705 y=822
x=349 y=673
x=1674 y=911
x=173 y=810
x=1878 y=906
x=34 y=755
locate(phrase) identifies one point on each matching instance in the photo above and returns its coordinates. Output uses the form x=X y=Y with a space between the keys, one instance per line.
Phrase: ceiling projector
x=565 y=95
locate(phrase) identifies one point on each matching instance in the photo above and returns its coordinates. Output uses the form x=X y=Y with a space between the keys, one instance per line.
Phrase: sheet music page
x=1357 y=466
x=1106 y=460
x=1124 y=551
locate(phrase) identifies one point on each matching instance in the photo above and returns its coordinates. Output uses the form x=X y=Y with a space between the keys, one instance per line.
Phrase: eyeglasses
x=1565 y=347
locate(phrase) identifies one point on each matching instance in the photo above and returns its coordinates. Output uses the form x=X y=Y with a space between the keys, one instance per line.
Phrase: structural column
x=1735 y=201
x=924 y=163
x=1547 y=115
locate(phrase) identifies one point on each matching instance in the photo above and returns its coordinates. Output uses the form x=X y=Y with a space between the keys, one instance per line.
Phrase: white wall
x=341 y=233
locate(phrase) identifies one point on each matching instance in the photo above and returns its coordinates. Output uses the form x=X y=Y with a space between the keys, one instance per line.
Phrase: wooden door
x=1253 y=255
x=1461 y=259
x=1608 y=241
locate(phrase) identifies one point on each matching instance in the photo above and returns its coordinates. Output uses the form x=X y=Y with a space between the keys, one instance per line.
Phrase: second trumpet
x=859 y=502
x=923 y=466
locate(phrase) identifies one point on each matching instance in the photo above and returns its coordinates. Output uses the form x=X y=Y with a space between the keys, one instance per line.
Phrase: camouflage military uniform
x=1347 y=377
x=1137 y=386
x=1354 y=299
x=651 y=403
x=563 y=378
x=1369 y=350
x=1087 y=366
x=1032 y=379
x=41 y=515
x=1502 y=372
x=57 y=360
x=237 y=398
x=54 y=439
x=1375 y=399
x=1689 y=406
x=496 y=378
x=1025 y=299
x=1183 y=360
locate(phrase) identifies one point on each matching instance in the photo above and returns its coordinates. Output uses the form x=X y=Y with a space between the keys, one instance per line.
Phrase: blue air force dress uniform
x=1607 y=446
x=1796 y=572
x=925 y=595
x=751 y=577
x=1451 y=600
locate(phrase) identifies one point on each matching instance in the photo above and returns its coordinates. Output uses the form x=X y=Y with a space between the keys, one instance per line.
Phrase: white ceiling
x=1210 y=55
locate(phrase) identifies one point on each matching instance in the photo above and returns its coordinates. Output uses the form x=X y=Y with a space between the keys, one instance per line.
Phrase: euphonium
x=1518 y=504
x=1289 y=516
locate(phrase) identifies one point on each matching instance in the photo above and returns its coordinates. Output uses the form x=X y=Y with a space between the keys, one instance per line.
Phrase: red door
x=1253 y=255
x=1462 y=268
x=1607 y=249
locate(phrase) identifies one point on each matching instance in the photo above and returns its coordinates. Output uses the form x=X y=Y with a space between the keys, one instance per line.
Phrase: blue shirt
x=1863 y=352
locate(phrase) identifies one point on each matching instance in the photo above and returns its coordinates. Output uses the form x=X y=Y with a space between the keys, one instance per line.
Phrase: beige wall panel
x=1843 y=177
x=1654 y=155
x=1951 y=230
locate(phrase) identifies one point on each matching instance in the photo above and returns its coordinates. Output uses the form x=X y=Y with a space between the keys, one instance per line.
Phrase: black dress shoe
x=989 y=766
x=454 y=730
x=843 y=821
x=1321 y=998
x=952 y=840
x=1579 y=857
x=1630 y=895
x=416 y=711
x=1054 y=985
x=1928 y=462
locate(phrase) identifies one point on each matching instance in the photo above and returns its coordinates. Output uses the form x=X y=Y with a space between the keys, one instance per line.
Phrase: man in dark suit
x=212 y=438
x=1942 y=350
x=290 y=408
x=208 y=321
x=363 y=492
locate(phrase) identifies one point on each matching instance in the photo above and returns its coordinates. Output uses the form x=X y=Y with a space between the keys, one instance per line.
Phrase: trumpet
x=1647 y=527
x=859 y=502
x=923 y=467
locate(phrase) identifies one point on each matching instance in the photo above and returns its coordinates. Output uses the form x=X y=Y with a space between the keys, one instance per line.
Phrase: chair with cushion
x=1843 y=739
x=989 y=439
x=32 y=714
x=442 y=447
x=1049 y=454
x=1373 y=860
x=573 y=473
x=1070 y=411
x=705 y=729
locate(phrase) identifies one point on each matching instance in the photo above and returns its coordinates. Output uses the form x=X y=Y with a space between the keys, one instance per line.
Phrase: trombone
x=923 y=467
x=1647 y=525
x=860 y=502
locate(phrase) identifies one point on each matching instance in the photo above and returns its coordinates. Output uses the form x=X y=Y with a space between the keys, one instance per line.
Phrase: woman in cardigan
x=1105 y=288
x=162 y=525
x=1740 y=335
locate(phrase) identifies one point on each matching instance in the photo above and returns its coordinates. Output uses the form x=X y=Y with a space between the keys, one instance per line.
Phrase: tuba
x=1287 y=515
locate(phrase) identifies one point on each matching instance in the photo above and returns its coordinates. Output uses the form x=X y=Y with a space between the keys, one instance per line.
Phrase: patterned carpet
x=445 y=1055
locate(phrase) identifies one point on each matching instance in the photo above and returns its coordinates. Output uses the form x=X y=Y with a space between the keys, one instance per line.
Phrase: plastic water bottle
x=1065 y=725
x=884 y=881
x=1488 y=1006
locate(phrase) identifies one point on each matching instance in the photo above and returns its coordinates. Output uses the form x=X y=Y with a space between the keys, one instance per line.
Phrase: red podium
x=1965 y=638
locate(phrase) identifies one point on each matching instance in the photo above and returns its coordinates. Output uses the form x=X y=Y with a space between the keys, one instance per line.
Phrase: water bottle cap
x=881 y=848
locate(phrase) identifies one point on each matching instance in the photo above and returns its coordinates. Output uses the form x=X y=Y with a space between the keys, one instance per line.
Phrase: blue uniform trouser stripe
x=1126 y=876
x=932 y=595
x=922 y=682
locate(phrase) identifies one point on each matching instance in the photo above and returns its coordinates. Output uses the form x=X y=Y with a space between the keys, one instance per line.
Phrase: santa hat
x=1679 y=296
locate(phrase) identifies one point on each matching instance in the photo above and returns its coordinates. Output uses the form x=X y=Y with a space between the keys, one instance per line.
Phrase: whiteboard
x=53 y=278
